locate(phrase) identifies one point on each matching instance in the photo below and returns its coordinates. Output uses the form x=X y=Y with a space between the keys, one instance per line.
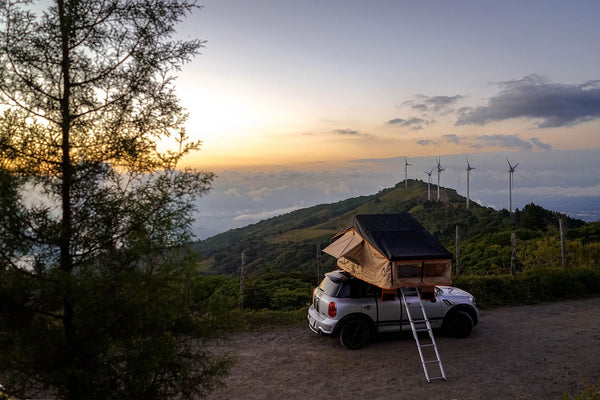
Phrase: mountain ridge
x=289 y=242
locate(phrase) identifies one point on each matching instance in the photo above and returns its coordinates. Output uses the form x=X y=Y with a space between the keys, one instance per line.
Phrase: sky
x=303 y=102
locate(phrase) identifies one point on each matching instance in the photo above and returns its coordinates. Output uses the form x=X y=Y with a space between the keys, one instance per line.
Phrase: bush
x=532 y=287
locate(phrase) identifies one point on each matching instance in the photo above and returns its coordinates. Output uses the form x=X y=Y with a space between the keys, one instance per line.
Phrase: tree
x=96 y=289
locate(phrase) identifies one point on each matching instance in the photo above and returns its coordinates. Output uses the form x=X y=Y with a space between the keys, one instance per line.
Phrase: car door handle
x=367 y=307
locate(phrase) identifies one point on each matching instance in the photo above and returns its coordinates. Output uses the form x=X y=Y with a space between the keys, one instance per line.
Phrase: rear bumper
x=318 y=324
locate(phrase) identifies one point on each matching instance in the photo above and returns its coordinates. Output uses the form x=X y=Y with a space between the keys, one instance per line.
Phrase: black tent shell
x=398 y=237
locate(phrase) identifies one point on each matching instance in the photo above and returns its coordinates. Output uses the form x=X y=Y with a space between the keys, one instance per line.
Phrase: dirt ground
x=525 y=352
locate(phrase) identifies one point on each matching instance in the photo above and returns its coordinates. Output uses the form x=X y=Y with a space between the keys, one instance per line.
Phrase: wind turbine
x=429 y=183
x=511 y=170
x=439 y=170
x=469 y=168
x=406 y=164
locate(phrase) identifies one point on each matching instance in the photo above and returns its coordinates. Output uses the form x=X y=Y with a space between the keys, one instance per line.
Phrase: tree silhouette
x=96 y=296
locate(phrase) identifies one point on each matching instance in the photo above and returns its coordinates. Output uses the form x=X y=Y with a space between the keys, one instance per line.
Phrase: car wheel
x=458 y=324
x=354 y=334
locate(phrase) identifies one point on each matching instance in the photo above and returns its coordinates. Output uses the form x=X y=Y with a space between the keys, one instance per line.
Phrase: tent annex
x=391 y=251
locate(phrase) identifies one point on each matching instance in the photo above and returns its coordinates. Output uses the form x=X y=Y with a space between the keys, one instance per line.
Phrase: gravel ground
x=524 y=352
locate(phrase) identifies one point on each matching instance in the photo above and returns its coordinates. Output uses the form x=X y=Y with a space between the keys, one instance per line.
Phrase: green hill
x=288 y=243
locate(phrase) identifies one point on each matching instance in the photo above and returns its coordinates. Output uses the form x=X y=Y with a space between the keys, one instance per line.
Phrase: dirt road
x=525 y=352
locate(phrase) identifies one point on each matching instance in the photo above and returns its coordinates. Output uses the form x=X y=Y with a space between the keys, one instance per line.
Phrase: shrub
x=531 y=287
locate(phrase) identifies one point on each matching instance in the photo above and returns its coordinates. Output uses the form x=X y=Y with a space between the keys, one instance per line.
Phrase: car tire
x=457 y=324
x=354 y=334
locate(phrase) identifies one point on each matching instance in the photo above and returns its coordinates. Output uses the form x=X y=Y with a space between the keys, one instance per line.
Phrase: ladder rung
x=436 y=377
x=427 y=345
x=431 y=361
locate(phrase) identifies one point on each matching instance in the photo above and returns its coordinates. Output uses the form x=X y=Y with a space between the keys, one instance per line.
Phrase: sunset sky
x=283 y=81
x=313 y=86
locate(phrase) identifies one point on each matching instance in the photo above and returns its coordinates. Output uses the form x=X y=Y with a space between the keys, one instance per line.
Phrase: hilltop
x=288 y=243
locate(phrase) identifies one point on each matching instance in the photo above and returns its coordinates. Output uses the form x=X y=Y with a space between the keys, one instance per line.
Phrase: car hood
x=450 y=291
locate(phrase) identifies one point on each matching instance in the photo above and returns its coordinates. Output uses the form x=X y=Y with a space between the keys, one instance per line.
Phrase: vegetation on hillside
x=281 y=252
x=289 y=243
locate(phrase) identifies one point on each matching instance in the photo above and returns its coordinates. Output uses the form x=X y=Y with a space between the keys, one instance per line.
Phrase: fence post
x=457 y=250
x=242 y=280
x=563 y=251
x=513 y=255
x=318 y=263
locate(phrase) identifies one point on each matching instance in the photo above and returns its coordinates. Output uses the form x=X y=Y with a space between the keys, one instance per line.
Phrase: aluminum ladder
x=428 y=351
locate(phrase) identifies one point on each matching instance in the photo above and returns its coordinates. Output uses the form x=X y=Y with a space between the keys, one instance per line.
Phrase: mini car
x=355 y=311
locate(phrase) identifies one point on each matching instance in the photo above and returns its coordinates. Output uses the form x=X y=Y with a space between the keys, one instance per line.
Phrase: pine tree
x=96 y=288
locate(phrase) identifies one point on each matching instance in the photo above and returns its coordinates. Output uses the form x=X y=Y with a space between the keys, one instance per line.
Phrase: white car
x=354 y=310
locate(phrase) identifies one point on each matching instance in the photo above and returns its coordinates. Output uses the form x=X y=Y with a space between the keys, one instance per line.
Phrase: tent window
x=408 y=270
x=435 y=268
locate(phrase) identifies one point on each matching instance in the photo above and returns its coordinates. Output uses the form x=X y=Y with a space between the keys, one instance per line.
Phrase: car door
x=389 y=311
x=433 y=309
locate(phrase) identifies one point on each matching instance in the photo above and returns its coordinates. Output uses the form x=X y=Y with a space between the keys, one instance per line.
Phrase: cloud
x=555 y=104
x=539 y=144
x=348 y=132
x=500 y=141
x=426 y=142
x=232 y=192
x=509 y=141
x=264 y=191
x=329 y=188
x=438 y=103
x=413 y=123
x=433 y=103
x=544 y=177
x=452 y=138
x=406 y=122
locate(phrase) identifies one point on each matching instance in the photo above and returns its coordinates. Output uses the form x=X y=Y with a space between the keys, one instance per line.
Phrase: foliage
x=537 y=286
x=289 y=242
x=98 y=294
x=277 y=291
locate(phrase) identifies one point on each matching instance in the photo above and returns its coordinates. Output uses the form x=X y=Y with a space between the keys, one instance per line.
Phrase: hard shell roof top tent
x=391 y=251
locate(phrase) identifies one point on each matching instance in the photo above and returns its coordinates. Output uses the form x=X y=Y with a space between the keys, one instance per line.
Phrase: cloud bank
x=555 y=179
x=554 y=104
x=512 y=142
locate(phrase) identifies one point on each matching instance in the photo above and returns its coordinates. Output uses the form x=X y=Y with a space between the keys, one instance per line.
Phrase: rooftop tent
x=391 y=251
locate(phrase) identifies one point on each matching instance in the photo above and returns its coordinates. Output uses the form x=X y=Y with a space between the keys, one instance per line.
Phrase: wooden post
x=457 y=250
x=563 y=251
x=242 y=281
x=318 y=263
x=513 y=255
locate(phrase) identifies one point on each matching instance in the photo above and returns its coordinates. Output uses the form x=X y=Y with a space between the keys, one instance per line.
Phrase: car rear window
x=329 y=287
x=352 y=288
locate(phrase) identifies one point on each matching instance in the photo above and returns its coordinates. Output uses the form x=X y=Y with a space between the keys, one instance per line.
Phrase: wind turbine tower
x=429 y=183
x=469 y=168
x=439 y=170
x=511 y=170
x=406 y=164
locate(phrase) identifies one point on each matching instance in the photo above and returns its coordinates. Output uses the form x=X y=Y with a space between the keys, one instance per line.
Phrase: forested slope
x=288 y=243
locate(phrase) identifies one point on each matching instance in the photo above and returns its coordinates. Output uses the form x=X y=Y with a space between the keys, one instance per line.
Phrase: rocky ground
x=525 y=352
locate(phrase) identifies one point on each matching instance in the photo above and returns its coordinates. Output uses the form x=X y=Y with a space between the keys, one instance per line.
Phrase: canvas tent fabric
x=391 y=251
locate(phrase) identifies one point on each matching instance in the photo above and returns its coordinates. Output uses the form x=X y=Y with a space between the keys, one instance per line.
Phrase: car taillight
x=331 y=311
